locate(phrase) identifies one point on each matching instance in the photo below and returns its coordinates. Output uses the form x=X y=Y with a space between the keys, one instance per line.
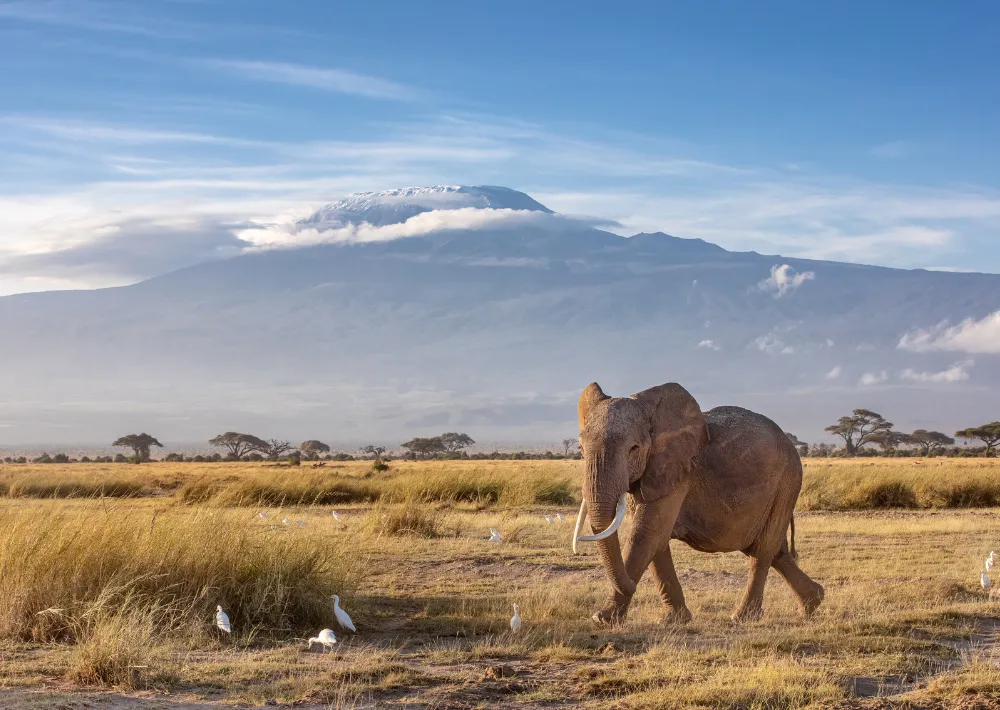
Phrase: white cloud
x=833 y=373
x=291 y=235
x=783 y=280
x=709 y=345
x=892 y=149
x=970 y=336
x=327 y=79
x=873 y=378
x=956 y=373
x=771 y=343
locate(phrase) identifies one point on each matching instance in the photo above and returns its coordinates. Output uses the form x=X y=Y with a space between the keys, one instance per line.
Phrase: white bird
x=494 y=535
x=560 y=517
x=336 y=516
x=984 y=582
x=515 y=621
x=343 y=618
x=989 y=563
x=222 y=620
x=548 y=519
x=262 y=516
x=326 y=638
x=286 y=521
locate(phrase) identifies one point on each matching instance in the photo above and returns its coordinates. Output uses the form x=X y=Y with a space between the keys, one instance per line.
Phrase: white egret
x=336 y=516
x=515 y=621
x=286 y=521
x=343 y=618
x=325 y=638
x=262 y=516
x=989 y=564
x=222 y=620
x=548 y=519
x=494 y=535
x=560 y=517
x=984 y=582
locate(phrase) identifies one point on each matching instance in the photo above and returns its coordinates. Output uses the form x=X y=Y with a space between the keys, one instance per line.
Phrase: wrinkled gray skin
x=721 y=481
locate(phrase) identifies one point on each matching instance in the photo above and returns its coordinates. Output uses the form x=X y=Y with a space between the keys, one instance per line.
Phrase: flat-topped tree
x=989 y=434
x=313 y=448
x=238 y=445
x=139 y=443
x=928 y=442
x=273 y=448
x=454 y=442
x=859 y=429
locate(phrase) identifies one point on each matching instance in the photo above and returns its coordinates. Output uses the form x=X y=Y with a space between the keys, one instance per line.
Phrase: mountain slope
x=492 y=330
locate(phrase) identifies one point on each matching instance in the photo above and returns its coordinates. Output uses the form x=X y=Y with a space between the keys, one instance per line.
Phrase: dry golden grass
x=903 y=615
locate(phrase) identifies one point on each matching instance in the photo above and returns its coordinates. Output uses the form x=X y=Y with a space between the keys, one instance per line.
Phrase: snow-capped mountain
x=490 y=321
x=395 y=206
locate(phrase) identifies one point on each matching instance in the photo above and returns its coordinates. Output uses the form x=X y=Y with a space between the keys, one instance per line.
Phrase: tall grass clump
x=406 y=519
x=905 y=483
x=58 y=568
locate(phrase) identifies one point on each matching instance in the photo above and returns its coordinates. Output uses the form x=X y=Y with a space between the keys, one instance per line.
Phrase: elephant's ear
x=677 y=431
x=592 y=394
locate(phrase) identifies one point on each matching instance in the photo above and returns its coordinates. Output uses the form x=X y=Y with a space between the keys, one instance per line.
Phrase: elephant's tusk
x=580 y=519
x=612 y=529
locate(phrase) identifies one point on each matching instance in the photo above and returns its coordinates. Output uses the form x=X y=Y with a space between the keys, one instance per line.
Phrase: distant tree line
x=868 y=433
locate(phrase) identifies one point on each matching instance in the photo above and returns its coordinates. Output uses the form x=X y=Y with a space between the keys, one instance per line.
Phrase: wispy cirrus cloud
x=958 y=372
x=324 y=78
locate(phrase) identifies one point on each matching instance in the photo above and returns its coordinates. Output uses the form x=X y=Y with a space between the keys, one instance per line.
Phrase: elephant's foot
x=613 y=613
x=811 y=603
x=749 y=611
x=676 y=617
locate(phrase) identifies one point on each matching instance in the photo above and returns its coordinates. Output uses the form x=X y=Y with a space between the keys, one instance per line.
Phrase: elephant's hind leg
x=809 y=592
x=752 y=606
x=670 y=588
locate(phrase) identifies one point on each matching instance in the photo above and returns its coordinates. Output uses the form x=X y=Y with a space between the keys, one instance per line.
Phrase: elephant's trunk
x=603 y=516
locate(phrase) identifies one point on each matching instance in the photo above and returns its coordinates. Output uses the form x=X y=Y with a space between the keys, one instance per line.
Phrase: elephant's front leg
x=652 y=525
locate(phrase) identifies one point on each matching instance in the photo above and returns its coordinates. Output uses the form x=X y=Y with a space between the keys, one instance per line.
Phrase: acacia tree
x=238 y=445
x=567 y=445
x=989 y=434
x=889 y=440
x=313 y=448
x=928 y=442
x=453 y=442
x=424 y=447
x=272 y=448
x=859 y=429
x=139 y=443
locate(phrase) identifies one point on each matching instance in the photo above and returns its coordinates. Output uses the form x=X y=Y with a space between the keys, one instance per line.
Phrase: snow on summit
x=379 y=209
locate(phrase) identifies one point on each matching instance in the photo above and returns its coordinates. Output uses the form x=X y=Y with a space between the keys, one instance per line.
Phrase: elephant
x=720 y=481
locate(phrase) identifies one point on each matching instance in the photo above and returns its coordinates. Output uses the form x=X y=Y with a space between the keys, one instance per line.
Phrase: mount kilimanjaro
x=414 y=311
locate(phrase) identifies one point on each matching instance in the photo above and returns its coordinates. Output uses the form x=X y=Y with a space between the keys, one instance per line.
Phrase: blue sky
x=134 y=136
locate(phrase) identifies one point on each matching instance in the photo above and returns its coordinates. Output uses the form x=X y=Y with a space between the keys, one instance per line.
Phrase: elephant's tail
x=791 y=547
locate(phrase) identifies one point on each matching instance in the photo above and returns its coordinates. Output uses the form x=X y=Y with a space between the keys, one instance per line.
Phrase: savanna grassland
x=110 y=575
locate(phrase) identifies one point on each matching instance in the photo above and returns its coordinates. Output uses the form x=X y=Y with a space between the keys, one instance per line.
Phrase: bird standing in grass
x=343 y=618
x=300 y=523
x=984 y=582
x=548 y=519
x=325 y=638
x=515 y=621
x=989 y=562
x=262 y=516
x=494 y=535
x=222 y=620
x=336 y=516
x=286 y=521
x=560 y=517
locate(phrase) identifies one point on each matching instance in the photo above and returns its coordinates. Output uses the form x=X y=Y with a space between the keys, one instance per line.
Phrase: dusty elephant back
x=747 y=471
